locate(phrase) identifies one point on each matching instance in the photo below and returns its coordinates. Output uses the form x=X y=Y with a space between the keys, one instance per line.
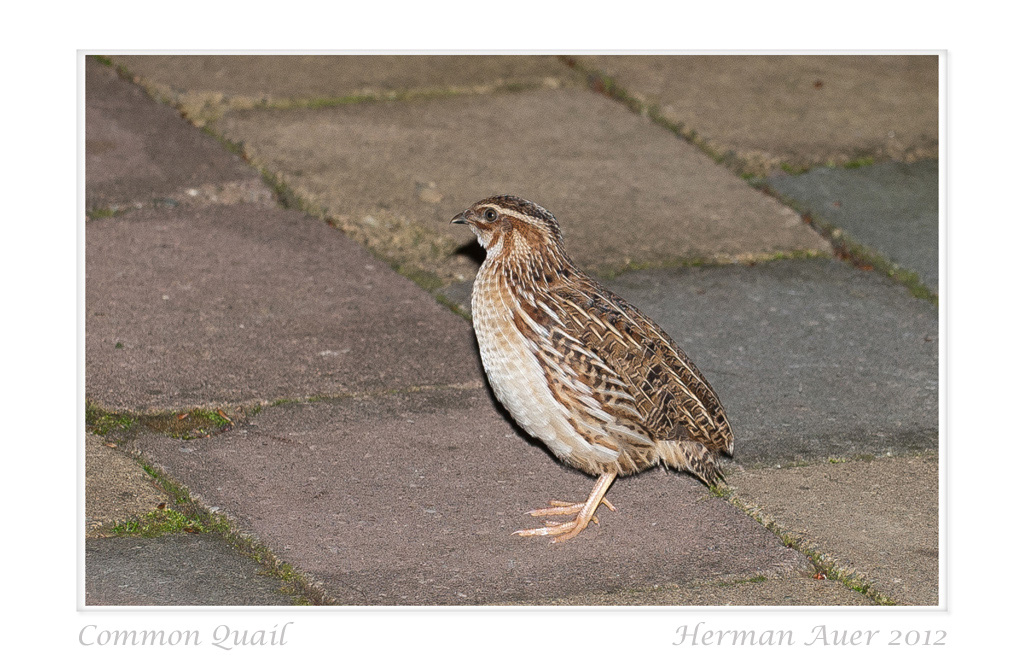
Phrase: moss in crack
x=161 y=521
x=793 y=169
x=105 y=212
x=425 y=279
x=192 y=423
x=119 y=427
x=719 y=490
x=863 y=161
x=102 y=423
x=749 y=259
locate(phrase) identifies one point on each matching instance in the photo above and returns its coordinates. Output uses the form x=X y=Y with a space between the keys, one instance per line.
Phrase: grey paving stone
x=175 y=570
x=625 y=190
x=892 y=208
x=138 y=150
x=333 y=76
x=412 y=499
x=240 y=304
x=797 y=109
x=880 y=518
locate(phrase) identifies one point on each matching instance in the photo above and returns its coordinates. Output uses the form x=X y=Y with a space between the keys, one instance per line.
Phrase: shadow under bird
x=595 y=379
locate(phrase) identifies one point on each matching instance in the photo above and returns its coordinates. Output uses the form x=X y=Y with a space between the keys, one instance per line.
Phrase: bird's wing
x=632 y=367
x=599 y=404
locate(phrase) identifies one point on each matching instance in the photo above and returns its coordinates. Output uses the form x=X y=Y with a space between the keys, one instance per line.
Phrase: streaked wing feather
x=636 y=359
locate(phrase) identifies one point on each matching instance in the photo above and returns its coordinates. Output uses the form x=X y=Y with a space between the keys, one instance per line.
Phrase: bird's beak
x=460 y=219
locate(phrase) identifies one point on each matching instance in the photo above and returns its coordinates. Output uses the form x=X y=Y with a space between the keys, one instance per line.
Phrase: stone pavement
x=276 y=326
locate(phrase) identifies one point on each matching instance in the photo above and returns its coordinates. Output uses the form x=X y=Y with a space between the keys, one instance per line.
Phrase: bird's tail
x=693 y=457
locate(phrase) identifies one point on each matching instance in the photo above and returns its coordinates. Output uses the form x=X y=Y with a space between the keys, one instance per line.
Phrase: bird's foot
x=563 y=531
x=584 y=513
x=561 y=507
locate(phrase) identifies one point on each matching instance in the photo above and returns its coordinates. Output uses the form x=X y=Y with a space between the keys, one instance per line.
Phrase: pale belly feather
x=518 y=380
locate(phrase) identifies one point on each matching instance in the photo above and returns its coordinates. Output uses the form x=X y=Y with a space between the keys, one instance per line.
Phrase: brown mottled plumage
x=601 y=384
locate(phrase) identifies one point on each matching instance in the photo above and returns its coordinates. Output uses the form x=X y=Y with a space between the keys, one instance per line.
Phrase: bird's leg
x=584 y=513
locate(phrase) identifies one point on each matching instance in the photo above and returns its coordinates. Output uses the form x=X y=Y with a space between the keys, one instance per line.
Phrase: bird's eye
x=490 y=215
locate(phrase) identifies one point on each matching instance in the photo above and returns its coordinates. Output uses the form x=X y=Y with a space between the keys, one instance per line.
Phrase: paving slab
x=812 y=358
x=880 y=517
x=626 y=191
x=238 y=304
x=891 y=208
x=786 y=591
x=116 y=487
x=138 y=151
x=412 y=499
x=175 y=570
x=269 y=77
x=801 y=110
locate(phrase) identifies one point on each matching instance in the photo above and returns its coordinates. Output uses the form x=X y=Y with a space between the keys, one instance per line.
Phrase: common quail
x=595 y=379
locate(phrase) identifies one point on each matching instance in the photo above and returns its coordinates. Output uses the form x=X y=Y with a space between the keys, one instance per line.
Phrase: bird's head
x=506 y=224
